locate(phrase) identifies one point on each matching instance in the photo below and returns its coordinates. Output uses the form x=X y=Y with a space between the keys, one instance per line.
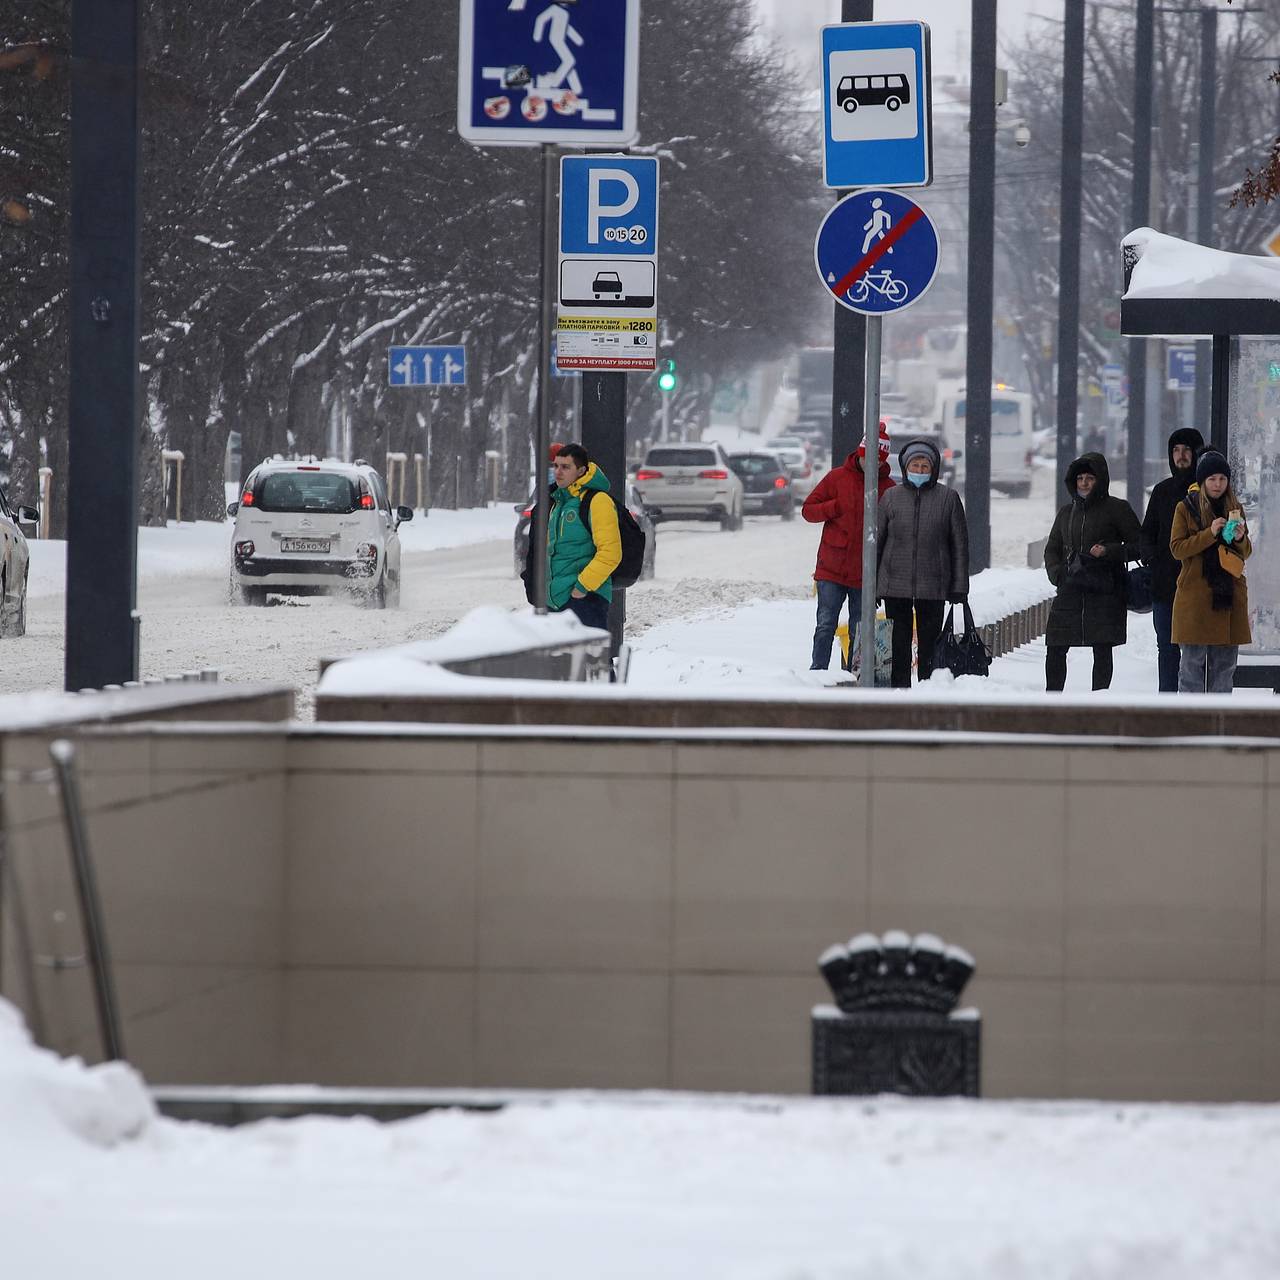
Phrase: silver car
x=15 y=566
x=690 y=482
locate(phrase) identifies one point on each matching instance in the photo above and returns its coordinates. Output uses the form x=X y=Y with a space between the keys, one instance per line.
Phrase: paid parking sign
x=608 y=266
x=877 y=105
x=539 y=71
x=877 y=252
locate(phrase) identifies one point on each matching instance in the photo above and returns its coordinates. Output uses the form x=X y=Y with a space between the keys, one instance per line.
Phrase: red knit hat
x=884 y=444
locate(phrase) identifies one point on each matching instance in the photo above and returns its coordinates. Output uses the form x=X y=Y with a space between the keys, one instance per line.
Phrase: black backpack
x=628 y=571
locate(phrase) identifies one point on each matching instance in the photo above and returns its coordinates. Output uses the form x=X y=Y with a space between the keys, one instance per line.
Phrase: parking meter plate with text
x=539 y=71
x=877 y=105
x=877 y=252
x=608 y=268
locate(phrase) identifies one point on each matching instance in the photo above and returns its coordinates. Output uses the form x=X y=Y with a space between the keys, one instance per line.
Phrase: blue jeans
x=1169 y=656
x=831 y=598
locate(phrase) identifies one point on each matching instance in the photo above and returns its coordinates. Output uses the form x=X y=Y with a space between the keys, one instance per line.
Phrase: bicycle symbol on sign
x=881 y=282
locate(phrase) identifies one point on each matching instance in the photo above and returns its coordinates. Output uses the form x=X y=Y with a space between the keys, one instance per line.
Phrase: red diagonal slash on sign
x=900 y=229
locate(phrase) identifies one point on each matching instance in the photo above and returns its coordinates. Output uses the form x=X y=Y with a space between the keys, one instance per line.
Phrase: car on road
x=311 y=527
x=795 y=453
x=524 y=510
x=766 y=483
x=691 y=482
x=15 y=566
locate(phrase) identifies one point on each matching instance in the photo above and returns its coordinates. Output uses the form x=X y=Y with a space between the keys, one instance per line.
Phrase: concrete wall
x=498 y=907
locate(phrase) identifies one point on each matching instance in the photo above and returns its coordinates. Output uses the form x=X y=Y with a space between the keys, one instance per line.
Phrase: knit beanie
x=916 y=449
x=884 y=445
x=1211 y=463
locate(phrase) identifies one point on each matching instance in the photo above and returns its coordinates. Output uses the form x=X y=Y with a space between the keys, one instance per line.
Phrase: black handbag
x=964 y=654
x=1137 y=589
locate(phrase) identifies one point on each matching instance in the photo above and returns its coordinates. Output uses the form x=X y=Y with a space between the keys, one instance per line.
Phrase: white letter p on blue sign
x=597 y=211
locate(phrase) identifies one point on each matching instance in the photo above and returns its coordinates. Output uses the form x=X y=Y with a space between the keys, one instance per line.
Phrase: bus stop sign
x=877 y=105
x=877 y=252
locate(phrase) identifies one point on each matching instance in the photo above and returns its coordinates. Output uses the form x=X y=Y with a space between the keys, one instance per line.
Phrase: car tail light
x=528 y=511
x=648 y=475
x=713 y=475
x=246 y=498
x=948 y=454
x=366 y=502
x=367 y=551
x=244 y=550
x=781 y=482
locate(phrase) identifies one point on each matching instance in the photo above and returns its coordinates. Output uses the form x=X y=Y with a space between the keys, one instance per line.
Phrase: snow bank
x=483 y=633
x=59 y=1103
x=1173 y=268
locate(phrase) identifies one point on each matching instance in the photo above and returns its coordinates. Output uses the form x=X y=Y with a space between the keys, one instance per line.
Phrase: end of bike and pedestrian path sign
x=608 y=264
x=877 y=105
x=877 y=252
x=548 y=71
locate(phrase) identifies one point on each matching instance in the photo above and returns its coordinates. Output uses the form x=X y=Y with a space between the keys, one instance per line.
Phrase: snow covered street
x=725 y=608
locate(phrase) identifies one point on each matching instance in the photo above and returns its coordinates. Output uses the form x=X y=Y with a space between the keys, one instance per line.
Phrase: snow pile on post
x=59 y=1102
x=1167 y=267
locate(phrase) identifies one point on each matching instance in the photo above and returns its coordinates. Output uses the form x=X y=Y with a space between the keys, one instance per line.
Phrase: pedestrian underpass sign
x=426 y=366
x=542 y=71
x=877 y=105
x=877 y=252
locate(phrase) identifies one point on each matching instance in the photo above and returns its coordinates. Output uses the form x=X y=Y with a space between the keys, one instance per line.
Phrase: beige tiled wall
x=477 y=908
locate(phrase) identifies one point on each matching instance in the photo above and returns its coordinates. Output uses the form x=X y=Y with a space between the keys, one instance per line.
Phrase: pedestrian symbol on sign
x=877 y=226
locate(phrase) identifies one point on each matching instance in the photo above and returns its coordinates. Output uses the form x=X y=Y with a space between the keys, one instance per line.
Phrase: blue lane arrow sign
x=426 y=366
x=877 y=252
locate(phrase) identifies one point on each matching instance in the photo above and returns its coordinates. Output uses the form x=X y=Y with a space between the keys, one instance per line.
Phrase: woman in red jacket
x=837 y=504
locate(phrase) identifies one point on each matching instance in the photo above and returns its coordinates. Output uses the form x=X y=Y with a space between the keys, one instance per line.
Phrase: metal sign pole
x=542 y=445
x=871 y=493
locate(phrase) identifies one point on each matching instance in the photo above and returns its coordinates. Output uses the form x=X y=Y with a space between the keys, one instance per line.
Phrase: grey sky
x=797 y=23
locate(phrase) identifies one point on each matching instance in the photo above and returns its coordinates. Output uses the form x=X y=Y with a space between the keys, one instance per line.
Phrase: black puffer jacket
x=1089 y=607
x=922 y=539
x=1158 y=522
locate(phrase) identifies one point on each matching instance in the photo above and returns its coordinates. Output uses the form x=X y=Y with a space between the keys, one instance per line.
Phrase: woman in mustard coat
x=1211 y=605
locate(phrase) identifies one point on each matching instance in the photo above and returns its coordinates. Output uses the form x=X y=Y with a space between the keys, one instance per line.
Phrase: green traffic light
x=667 y=378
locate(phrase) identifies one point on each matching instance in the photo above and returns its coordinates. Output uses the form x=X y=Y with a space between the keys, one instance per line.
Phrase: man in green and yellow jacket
x=581 y=555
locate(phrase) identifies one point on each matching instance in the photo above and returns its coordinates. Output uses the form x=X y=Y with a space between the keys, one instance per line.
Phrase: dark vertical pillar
x=848 y=363
x=1069 y=241
x=1204 y=184
x=981 y=303
x=105 y=406
x=1143 y=75
x=1218 y=421
x=604 y=436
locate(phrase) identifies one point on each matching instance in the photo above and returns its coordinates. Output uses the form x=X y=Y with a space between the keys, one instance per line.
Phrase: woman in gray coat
x=922 y=545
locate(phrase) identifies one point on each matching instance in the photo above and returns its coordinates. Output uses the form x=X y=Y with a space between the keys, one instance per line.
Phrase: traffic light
x=667 y=380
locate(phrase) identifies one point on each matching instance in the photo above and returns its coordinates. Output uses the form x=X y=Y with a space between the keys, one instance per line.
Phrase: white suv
x=691 y=482
x=307 y=527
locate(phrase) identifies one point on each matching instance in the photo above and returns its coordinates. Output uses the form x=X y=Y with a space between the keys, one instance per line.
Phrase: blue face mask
x=917 y=479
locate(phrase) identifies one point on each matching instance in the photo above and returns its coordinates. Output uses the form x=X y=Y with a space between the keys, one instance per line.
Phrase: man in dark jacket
x=1092 y=539
x=1184 y=445
x=837 y=504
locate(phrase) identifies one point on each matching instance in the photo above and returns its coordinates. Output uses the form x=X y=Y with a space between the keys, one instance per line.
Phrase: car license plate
x=681 y=480
x=305 y=544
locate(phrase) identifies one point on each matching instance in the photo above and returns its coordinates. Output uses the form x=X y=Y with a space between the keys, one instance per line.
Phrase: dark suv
x=766 y=483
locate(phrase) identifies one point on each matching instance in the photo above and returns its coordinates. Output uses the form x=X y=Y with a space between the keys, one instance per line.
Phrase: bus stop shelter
x=1176 y=289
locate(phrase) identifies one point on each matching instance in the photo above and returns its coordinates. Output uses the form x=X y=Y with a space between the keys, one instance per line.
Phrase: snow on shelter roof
x=1174 y=286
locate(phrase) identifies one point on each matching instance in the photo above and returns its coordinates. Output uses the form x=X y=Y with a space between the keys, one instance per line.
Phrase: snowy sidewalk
x=766 y=644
